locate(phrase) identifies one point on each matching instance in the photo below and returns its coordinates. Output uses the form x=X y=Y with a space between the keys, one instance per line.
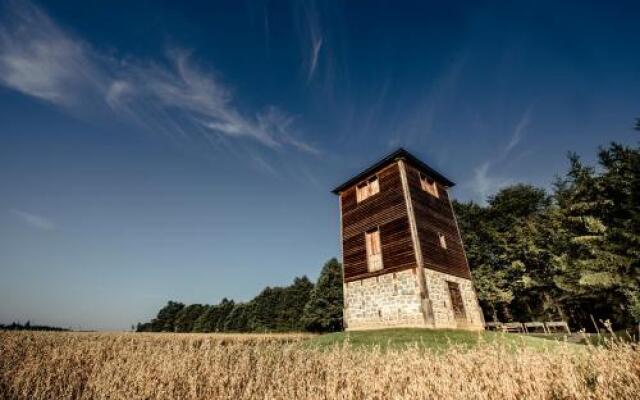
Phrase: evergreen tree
x=165 y=321
x=202 y=324
x=186 y=318
x=281 y=308
x=573 y=255
x=224 y=309
x=599 y=268
x=240 y=319
x=265 y=309
x=323 y=312
x=293 y=301
x=212 y=318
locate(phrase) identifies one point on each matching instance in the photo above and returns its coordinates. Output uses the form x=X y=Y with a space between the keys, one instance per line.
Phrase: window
x=443 y=240
x=374 y=250
x=429 y=185
x=367 y=189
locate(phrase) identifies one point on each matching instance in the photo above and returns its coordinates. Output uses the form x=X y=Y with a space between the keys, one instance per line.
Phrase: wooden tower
x=404 y=263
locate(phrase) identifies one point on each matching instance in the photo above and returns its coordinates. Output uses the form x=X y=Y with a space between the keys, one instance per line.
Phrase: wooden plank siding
x=386 y=210
x=435 y=215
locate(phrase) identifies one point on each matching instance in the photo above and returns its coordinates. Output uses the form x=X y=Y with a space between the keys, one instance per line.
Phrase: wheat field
x=193 y=366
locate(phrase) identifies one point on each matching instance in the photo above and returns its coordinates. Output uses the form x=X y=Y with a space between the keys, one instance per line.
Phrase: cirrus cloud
x=40 y=59
x=35 y=221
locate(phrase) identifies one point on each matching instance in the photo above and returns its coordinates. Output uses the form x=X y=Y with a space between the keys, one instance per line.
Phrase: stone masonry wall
x=441 y=301
x=385 y=301
x=393 y=300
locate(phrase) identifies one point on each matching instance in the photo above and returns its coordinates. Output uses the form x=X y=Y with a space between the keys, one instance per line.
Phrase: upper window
x=367 y=189
x=443 y=240
x=429 y=185
x=374 y=250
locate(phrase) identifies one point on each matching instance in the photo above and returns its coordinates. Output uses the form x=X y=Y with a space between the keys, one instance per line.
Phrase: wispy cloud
x=35 y=221
x=487 y=181
x=518 y=132
x=198 y=97
x=175 y=95
x=38 y=59
x=307 y=18
x=316 y=45
x=484 y=183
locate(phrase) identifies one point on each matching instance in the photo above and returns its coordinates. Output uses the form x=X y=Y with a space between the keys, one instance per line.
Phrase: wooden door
x=456 y=302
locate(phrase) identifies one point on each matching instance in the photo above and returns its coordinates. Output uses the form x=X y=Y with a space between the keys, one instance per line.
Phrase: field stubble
x=183 y=366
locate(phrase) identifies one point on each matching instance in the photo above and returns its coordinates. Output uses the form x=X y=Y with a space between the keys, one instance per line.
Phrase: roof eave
x=395 y=155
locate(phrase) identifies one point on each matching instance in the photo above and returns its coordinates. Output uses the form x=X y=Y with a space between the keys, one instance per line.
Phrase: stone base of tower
x=385 y=301
x=393 y=301
x=441 y=302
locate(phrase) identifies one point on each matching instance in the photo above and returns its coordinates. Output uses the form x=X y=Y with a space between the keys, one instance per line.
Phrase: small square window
x=429 y=185
x=443 y=240
x=367 y=189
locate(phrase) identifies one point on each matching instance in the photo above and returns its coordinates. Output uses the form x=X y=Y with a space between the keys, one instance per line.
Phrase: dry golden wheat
x=183 y=366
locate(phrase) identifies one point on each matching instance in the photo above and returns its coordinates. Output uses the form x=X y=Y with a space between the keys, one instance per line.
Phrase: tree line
x=27 y=326
x=301 y=306
x=570 y=253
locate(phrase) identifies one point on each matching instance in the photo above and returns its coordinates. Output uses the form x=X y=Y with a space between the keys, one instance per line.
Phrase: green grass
x=438 y=340
x=606 y=338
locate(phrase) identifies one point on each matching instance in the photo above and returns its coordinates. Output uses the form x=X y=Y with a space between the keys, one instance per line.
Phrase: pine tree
x=323 y=312
x=294 y=299
x=599 y=269
x=224 y=309
x=186 y=318
x=202 y=324
x=165 y=321
x=240 y=319
x=212 y=318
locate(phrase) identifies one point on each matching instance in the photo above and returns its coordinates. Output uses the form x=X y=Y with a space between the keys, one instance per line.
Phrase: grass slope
x=439 y=339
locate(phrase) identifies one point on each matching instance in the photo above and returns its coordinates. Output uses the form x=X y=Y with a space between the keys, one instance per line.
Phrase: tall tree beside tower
x=323 y=312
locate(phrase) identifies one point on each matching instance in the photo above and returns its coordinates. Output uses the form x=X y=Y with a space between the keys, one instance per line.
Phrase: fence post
x=594 y=324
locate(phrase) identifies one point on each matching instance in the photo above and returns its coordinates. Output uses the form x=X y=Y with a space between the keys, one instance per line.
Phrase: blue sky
x=152 y=151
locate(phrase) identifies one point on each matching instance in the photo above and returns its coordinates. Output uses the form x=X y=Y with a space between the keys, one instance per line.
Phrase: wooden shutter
x=443 y=240
x=374 y=250
x=429 y=185
x=367 y=239
x=374 y=186
x=359 y=193
x=456 y=302
x=367 y=189
x=375 y=242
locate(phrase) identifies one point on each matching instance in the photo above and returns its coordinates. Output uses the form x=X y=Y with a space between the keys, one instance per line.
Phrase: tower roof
x=390 y=158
